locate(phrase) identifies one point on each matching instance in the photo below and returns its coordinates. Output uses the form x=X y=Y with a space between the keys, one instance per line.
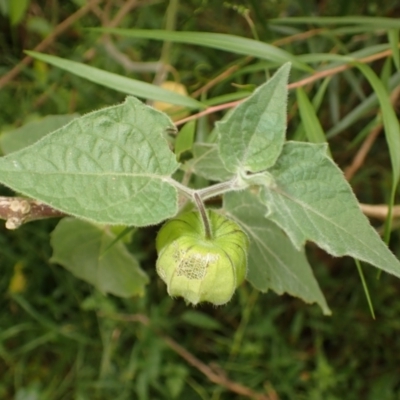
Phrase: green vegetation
x=62 y=337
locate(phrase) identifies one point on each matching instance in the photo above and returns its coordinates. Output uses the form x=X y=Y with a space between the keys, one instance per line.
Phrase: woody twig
x=19 y=210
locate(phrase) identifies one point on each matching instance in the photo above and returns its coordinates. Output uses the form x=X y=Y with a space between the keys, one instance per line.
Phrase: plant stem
x=217 y=189
x=203 y=214
x=18 y=210
x=207 y=192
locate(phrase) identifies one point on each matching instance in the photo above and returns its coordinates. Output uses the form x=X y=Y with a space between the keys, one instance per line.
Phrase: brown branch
x=379 y=211
x=209 y=110
x=213 y=374
x=127 y=6
x=64 y=25
x=216 y=80
x=298 y=37
x=359 y=158
x=333 y=71
x=19 y=210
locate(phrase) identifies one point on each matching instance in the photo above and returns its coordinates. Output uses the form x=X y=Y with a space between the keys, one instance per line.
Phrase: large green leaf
x=117 y=82
x=221 y=41
x=111 y=166
x=80 y=246
x=31 y=132
x=252 y=136
x=207 y=163
x=273 y=263
x=311 y=200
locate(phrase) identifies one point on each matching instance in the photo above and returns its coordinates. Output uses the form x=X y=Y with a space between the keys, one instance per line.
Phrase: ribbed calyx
x=200 y=269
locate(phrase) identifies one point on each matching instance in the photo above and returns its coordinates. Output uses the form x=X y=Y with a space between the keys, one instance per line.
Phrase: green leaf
x=31 y=132
x=360 y=110
x=79 y=247
x=221 y=41
x=393 y=36
x=366 y=22
x=311 y=200
x=207 y=163
x=273 y=263
x=200 y=320
x=17 y=10
x=111 y=166
x=117 y=82
x=300 y=132
x=122 y=234
x=365 y=287
x=252 y=136
x=390 y=121
x=312 y=126
x=185 y=138
x=392 y=134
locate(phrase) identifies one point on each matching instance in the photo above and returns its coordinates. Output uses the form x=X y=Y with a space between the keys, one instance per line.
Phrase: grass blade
x=230 y=43
x=368 y=22
x=312 y=126
x=365 y=287
x=392 y=132
x=117 y=82
x=393 y=36
x=359 y=111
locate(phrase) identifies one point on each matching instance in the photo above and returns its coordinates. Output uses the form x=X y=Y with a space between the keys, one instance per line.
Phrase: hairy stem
x=204 y=216
x=207 y=192
x=219 y=188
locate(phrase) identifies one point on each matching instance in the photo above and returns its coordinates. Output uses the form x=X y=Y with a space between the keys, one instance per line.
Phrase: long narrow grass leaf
x=375 y=22
x=393 y=36
x=117 y=82
x=117 y=239
x=47 y=323
x=312 y=126
x=390 y=121
x=392 y=132
x=365 y=287
x=299 y=134
x=364 y=107
x=319 y=96
x=221 y=41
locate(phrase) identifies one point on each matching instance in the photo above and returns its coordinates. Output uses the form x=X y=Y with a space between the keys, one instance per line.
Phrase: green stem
x=218 y=188
x=204 y=216
x=365 y=286
x=200 y=195
x=207 y=192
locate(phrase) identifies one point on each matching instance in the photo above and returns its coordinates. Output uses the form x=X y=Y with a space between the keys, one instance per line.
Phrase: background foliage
x=59 y=339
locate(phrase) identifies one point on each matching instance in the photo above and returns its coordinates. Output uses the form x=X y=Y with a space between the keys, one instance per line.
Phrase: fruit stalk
x=204 y=216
